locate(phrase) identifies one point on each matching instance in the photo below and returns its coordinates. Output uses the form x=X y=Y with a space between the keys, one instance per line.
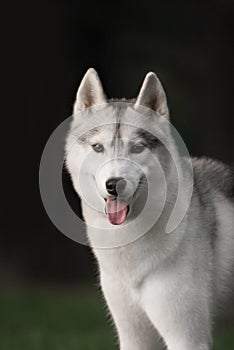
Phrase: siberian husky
x=162 y=289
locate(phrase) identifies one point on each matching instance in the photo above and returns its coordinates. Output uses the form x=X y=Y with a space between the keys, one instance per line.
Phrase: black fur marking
x=117 y=130
x=149 y=140
x=117 y=135
x=208 y=212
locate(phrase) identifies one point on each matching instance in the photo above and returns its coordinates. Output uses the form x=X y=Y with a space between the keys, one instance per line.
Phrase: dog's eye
x=98 y=147
x=137 y=148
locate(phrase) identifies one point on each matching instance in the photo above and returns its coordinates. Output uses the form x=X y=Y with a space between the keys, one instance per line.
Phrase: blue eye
x=137 y=148
x=98 y=147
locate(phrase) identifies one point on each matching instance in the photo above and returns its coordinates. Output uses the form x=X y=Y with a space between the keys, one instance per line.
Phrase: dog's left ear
x=152 y=95
x=90 y=92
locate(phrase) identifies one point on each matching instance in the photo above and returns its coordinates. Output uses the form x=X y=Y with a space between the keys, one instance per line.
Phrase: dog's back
x=214 y=187
x=213 y=176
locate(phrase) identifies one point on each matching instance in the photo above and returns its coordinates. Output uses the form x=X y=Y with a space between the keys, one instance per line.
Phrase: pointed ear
x=152 y=95
x=90 y=92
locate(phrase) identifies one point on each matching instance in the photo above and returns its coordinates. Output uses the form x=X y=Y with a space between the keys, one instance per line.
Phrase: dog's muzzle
x=116 y=206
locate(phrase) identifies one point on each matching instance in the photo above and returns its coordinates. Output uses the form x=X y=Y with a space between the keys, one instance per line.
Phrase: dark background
x=47 y=46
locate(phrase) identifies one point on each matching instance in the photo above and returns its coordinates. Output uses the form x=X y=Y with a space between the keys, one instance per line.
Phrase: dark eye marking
x=137 y=148
x=98 y=147
x=149 y=140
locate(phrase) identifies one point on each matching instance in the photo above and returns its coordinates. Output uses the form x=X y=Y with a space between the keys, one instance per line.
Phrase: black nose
x=115 y=186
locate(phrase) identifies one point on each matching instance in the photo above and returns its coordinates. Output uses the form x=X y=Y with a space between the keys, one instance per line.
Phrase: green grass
x=41 y=320
x=62 y=320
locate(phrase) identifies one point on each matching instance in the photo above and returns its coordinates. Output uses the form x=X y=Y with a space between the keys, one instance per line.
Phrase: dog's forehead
x=115 y=121
x=133 y=122
x=125 y=131
x=109 y=132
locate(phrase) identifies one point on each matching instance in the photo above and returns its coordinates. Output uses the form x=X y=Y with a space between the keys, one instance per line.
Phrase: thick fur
x=161 y=289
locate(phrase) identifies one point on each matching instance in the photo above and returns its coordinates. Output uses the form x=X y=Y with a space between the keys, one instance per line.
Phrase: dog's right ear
x=152 y=95
x=90 y=92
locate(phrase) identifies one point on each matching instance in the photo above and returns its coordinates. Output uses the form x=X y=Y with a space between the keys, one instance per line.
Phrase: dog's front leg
x=181 y=315
x=135 y=331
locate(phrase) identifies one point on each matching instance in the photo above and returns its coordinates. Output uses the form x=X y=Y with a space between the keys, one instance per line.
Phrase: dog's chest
x=131 y=264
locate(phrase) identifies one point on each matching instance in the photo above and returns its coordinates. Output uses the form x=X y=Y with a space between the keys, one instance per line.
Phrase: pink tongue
x=116 y=211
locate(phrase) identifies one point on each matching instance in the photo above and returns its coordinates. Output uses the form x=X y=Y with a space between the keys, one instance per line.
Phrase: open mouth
x=116 y=210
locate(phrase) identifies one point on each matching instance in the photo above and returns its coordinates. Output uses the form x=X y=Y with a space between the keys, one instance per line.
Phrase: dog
x=162 y=288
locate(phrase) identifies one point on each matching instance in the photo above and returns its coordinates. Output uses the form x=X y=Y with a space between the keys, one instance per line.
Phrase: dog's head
x=114 y=147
